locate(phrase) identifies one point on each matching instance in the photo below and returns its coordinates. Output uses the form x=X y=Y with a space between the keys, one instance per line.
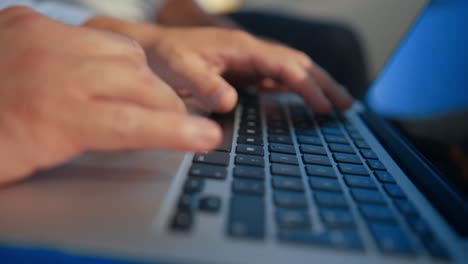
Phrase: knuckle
x=124 y=124
x=137 y=49
x=291 y=71
x=305 y=59
x=20 y=16
x=179 y=59
x=16 y=10
x=241 y=35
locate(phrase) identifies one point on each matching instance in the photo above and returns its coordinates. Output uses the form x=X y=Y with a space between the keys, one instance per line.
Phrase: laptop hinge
x=450 y=204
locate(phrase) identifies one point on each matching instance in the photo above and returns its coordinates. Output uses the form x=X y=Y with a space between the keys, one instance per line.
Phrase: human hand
x=65 y=90
x=199 y=59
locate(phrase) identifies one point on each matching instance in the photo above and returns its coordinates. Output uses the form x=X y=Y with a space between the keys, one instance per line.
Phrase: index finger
x=338 y=95
x=116 y=126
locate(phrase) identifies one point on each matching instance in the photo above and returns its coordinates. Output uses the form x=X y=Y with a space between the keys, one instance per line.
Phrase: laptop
x=286 y=185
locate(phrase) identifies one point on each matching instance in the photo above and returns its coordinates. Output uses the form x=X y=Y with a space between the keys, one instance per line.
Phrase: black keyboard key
x=376 y=165
x=330 y=199
x=182 y=221
x=350 y=127
x=332 y=131
x=208 y=171
x=215 y=158
x=355 y=135
x=342 y=148
x=256 y=132
x=360 y=182
x=316 y=159
x=420 y=227
x=285 y=170
x=278 y=131
x=284 y=158
x=377 y=213
x=277 y=115
x=324 y=184
x=193 y=185
x=361 y=144
x=406 y=207
x=347 y=158
x=368 y=154
x=280 y=139
x=250 y=160
x=226 y=121
x=336 y=139
x=390 y=238
x=292 y=219
x=210 y=204
x=250 y=117
x=436 y=249
x=249 y=172
x=282 y=148
x=367 y=196
x=288 y=184
x=348 y=239
x=305 y=124
x=384 y=176
x=250 y=124
x=251 y=107
x=309 y=140
x=248 y=187
x=188 y=202
x=250 y=140
x=304 y=237
x=290 y=200
x=394 y=191
x=249 y=149
x=353 y=169
x=246 y=217
x=335 y=217
x=277 y=124
x=306 y=132
x=322 y=171
x=311 y=149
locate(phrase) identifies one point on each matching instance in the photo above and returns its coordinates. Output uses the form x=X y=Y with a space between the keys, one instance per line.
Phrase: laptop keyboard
x=318 y=175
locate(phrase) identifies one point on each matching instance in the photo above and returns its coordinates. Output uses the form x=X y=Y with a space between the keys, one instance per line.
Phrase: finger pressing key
x=114 y=126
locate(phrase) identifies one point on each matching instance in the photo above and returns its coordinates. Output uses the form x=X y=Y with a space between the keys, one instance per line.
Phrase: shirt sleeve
x=132 y=10
x=66 y=13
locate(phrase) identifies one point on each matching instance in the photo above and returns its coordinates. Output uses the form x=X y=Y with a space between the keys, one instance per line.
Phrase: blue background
x=428 y=74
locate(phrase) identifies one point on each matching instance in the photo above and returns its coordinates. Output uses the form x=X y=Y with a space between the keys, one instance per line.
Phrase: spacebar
x=226 y=121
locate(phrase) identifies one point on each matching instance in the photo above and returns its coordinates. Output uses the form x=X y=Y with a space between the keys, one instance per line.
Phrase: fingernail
x=224 y=100
x=217 y=98
x=204 y=134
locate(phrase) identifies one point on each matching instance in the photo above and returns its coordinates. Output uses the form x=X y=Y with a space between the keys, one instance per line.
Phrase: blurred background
x=379 y=23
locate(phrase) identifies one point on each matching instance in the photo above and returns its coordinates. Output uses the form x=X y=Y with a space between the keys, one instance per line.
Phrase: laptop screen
x=424 y=89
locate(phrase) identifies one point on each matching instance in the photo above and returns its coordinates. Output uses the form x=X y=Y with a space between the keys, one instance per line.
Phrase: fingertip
x=322 y=108
x=225 y=100
x=345 y=99
x=203 y=134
